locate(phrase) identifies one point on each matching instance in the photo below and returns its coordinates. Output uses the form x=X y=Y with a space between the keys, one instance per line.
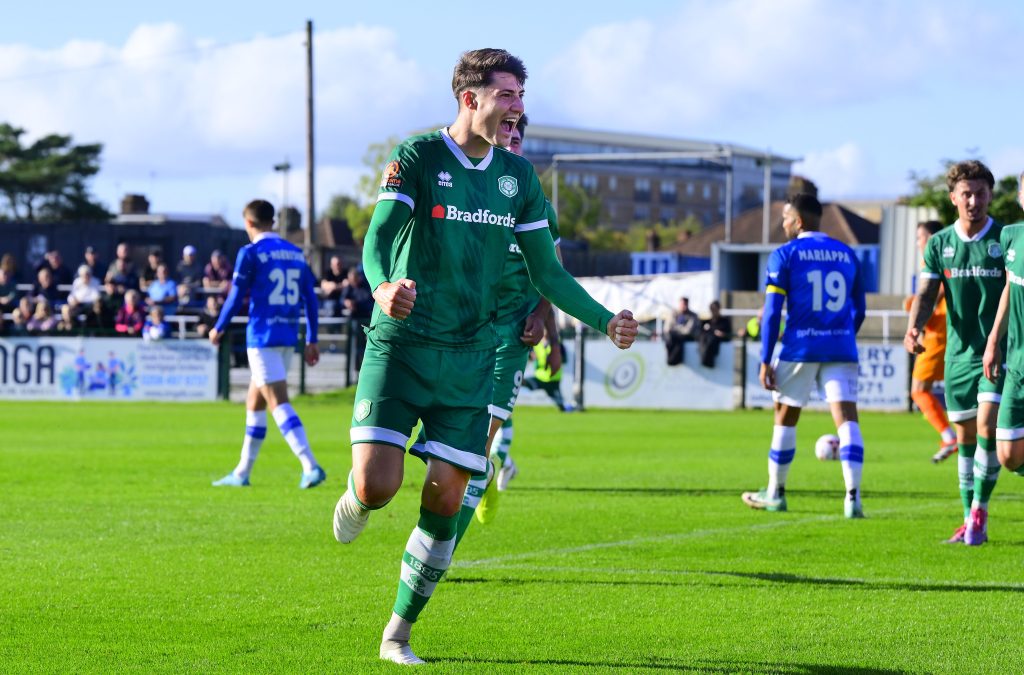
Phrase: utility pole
x=282 y=217
x=310 y=201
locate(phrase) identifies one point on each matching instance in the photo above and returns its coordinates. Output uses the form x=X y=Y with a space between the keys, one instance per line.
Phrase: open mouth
x=508 y=124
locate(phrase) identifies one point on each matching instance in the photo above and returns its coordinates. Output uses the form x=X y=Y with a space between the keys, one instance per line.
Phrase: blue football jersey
x=274 y=273
x=819 y=278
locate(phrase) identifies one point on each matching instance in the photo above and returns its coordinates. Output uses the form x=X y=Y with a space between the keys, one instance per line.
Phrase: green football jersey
x=1012 y=242
x=456 y=241
x=517 y=297
x=972 y=271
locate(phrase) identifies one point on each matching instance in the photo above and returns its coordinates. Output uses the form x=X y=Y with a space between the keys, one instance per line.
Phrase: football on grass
x=827 y=447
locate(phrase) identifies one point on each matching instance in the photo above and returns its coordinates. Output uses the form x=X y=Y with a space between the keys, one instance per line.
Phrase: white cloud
x=838 y=172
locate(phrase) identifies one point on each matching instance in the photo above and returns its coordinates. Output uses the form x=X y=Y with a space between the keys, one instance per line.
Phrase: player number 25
x=286 y=286
x=834 y=287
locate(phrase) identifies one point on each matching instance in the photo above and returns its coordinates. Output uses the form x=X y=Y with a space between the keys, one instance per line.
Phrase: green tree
x=1004 y=207
x=578 y=210
x=48 y=178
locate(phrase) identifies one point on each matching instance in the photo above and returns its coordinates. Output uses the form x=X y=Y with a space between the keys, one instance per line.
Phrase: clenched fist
x=622 y=329
x=396 y=298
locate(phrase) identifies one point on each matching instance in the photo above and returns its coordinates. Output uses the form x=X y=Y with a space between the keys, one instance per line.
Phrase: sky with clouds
x=197 y=102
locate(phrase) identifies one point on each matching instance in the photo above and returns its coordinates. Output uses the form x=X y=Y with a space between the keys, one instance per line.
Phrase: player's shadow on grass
x=734 y=492
x=680 y=666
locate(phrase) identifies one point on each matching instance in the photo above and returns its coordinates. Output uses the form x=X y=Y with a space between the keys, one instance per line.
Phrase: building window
x=668 y=192
x=689 y=188
x=613 y=183
x=641 y=212
x=668 y=214
x=590 y=182
x=572 y=179
x=707 y=191
x=642 y=190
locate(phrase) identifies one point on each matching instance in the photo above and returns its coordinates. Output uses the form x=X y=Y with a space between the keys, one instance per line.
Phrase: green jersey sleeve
x=932 y=259
x=396 y=202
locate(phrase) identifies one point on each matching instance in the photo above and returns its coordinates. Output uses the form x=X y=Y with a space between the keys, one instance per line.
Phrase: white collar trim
x=266 y=235
x=962 y=233
x=461 y=156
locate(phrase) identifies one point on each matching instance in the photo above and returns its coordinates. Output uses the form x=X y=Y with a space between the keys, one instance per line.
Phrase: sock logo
x=363 y=409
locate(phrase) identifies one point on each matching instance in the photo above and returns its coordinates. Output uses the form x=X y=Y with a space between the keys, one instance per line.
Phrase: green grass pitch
x=622 y=547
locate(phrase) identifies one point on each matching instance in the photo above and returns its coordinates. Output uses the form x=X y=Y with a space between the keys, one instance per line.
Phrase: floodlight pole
x=728 y=196
x=767 y=214
x=282 y=218
x=310 y=164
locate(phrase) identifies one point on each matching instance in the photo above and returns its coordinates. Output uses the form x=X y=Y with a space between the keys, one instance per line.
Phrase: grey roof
x=644 y=142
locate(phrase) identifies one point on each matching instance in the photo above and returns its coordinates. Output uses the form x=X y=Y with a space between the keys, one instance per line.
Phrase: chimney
x=134 y=205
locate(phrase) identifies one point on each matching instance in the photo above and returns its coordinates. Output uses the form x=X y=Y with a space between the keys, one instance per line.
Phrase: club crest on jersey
x=390 y=178
x=444 y=179
x=948 y=252
x=508 y=186
x=995 y=251
x=1011 y=255
x=363 y=409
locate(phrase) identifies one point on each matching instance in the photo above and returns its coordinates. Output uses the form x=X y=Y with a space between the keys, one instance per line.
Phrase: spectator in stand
x=156 y=328
x=69 y=321
x=85 y=290
x=92 y=261
x=122 y=276
x=3 y=325
x=685 y=326
x=124 y=255
x=356 y=296
x=61 y=274
x=163 y=291
x=132 y=316
x=208 y=317
x=331 y=285
x=19 y=322
x=154 y=260
x=217 y=275
x=43 y=320
x=714 y=331
x=46 y=287
x=8 y=265
x=189 y=274
x=99 y=317
x=8 y=291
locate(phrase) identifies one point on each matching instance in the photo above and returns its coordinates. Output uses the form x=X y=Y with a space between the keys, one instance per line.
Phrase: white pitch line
x=679 y=536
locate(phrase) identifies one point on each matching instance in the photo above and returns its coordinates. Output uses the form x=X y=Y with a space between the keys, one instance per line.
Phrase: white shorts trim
x=961 y=415
x=269 y=364
x=1009 y=434
x=500 y=413
x=835 y=382
x=460 y=458
x=377 y=435
x=990 y=397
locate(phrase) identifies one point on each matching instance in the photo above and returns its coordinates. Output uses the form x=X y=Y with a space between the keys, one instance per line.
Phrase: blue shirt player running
x=818 y=280
x=275 y=276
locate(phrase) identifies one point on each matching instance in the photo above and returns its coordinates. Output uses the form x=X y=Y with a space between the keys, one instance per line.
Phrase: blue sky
x=196 y=102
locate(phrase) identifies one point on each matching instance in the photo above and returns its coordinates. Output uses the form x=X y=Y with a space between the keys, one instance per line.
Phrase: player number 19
x=286 y=286
x=834 y=286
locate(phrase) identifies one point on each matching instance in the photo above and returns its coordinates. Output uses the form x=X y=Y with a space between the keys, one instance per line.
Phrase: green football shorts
x=448 y=390
x=966 y=386
x=1010 y=424
x=509 y=365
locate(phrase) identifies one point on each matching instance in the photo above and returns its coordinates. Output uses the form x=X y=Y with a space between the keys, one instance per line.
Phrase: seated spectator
x=162 y=290
x=8 y=264
x=69 y=322
x=124 y=255
x=132 y=316
x=156 y=328
x=3 y=325
x=148 y=276
x=45 y=287
x=208 y=317
x=714 y=331
x=122 y=276
x=86 y=289
x=8 y=291
x=43 y=320
x=330 y=285
x=99 y=317
x=356 y=296
x=61 y=274
x=19 y=323
x=217 y=275
x=189 y=274
x=92 y=261
x=684 y=326
x=27 y=306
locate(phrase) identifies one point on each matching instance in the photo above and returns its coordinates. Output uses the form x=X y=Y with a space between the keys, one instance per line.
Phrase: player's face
x=922 y=238
x=971 y=199
x=498 y=108
x=516 y=146
x=790 y=222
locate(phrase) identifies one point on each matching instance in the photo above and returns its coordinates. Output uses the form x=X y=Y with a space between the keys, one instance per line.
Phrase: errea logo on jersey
x=948 y=252
x=444 y=179
x=1011 y=255
x=478 y=216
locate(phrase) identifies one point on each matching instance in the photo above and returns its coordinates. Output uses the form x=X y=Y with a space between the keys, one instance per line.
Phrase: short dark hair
x=808 y=207
x=260 y=212
x=523 y=122
x=970 y=169
x=930 y=226
x=476 y=68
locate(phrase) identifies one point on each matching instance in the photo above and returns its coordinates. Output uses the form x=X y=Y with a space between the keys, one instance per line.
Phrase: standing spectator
x=148 y=276
x=46 y=287
x=131 y=317
x=208 y=317
x=716 y=330
x=8 y=265
x=189 y=274
x=43 y=320
x=122 y=278
x=85 y=290
x=653 y=240
x=156 y=328
x=91 y=259
x=331 y=285
x=163 y=290
x=124 y=256
x=61 y=274
x=8 y=291
x=217 y=275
